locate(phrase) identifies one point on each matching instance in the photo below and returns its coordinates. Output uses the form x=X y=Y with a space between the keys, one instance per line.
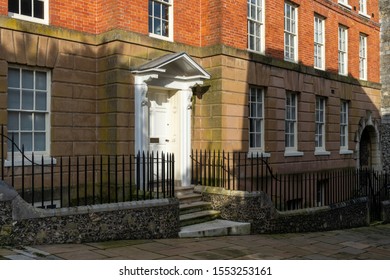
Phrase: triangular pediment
x=176 y=65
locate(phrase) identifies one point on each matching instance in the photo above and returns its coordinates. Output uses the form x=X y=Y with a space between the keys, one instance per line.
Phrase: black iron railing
x=251 y=172
x=65 y=181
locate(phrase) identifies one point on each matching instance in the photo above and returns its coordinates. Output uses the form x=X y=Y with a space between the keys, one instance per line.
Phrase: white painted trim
x=185 y=132
x=140 y=91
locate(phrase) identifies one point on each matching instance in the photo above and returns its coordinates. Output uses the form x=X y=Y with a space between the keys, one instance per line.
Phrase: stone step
x=179 y=191
x=189 y=198
x=198 y=217
x=186 y=208
x=215 y=228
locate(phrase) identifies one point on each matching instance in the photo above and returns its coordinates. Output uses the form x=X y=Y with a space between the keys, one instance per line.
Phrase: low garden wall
x=23 y=224
x=386 y=211
x=257 y=209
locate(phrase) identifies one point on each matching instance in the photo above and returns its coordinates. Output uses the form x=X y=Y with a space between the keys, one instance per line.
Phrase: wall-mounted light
x=199 y=90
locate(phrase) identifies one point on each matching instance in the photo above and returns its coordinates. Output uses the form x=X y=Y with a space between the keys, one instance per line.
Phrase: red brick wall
x=334 y=16
x=211 y=22
x=187 y=22
x=211 y=25
x=74 y=14
x=3 y=7
x=224 y=22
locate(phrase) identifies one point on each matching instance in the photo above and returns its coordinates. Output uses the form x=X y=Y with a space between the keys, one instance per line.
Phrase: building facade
x=297 y=82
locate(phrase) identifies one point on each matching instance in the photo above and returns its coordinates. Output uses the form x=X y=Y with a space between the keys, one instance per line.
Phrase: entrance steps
x=198 y=219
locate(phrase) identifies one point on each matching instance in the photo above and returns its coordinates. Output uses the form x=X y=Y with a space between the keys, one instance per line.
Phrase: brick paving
x=360 y=243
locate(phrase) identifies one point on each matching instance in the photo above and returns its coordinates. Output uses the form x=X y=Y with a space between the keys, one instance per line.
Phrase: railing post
x=52 y=181
x=32 y=179
x=22 y=171
x=13 y=161
x=42 y=182
x=2 y=152
x=85 y=180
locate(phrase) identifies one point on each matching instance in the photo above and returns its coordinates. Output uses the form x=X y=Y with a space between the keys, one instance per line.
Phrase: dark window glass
x=13 y=6
x=26 y=6
x=38 y=9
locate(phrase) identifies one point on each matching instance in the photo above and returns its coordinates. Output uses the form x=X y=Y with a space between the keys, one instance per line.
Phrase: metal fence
x=66 y=181
x=251 y=172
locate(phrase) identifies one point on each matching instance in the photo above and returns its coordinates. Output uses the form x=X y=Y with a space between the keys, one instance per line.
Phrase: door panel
x=159 y=127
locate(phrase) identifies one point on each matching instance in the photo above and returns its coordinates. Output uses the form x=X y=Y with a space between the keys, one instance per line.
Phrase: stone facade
x=22 y=224
x=385 y=80
x=257 y=208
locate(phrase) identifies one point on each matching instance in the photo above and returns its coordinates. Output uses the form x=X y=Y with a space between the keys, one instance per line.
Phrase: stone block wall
x=257 y=209
x=22 y=224
x=385 y=80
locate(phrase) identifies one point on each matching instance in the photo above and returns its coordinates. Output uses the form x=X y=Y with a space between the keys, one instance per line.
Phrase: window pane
x=39 y=142
x=26 y=121
x=13 y=121
x=150 y=25
x=40 y=101
x=252 y=140
x=28 y=79
x=157 y=26
x=13 y=6
x=26 y=7
x=165 y=12
x=27 y=100
x=13 y=100
x=26 y=140
x=14 y=78
x=165 y=28
x=40 y=80
x=39 y=9
x=157 y=10
x=39 y=122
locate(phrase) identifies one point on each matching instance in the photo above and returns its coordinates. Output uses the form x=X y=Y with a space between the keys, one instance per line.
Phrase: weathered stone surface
x=22 y=224
x=257 y=209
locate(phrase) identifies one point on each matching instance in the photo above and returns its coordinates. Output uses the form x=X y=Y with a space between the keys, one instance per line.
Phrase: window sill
x=160 y=37
x=345 y=5
x=27 y=162
x=364 y=15
x=321 y=153
x=346 y=152
x=27 y=18
x=293 y=154
x=256 y=52
x=258 y=154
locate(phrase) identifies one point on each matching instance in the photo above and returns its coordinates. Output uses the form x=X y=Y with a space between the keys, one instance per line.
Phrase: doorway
x=159 y=122
x=365 y=149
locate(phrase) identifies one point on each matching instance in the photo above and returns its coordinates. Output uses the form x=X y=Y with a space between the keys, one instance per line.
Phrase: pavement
x=366 y=243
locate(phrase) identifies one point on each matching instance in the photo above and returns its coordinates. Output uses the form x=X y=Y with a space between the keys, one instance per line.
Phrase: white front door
x=159 y=125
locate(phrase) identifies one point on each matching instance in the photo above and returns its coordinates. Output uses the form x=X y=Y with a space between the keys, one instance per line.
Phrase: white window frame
x=46 y=152
x=255 y=17
x=345 y=4
x=344 y=127
x=343 y=50
x=290 y=32
x=363 y=8
x=320 y=126
x=291 y=125
x=319 y=42
x=45 y=20
x=256 y=121
x=363 y=57
x=151 y=16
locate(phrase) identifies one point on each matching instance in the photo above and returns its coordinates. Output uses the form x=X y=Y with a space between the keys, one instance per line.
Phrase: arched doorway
x=369 y=148
x=365 y=157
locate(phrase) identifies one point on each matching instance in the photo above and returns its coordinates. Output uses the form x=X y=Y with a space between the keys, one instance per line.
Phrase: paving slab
x=368 y=243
